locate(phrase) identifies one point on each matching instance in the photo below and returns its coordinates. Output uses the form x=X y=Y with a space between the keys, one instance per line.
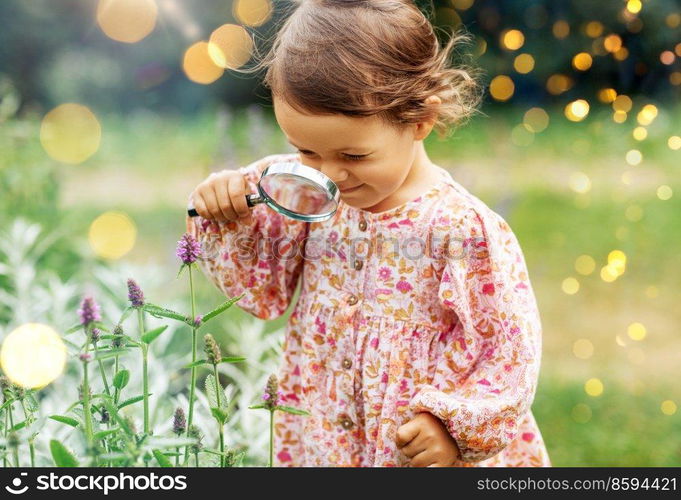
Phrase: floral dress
x=426 y=307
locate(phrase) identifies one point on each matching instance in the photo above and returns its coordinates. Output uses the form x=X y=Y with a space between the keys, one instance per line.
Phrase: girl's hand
x=222 y=196
x=426 y=441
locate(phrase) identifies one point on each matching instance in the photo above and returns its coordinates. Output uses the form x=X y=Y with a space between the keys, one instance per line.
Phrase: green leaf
x=161 y=312
x=100 y=325
x=126 y=313
x=198 y=362
x=113 y=411
x=181 y=269
x=73 y=329
x=162 y=459
x=110 y=353
x=105 y=433
x=221 y=308
x=292 y=410
x=256 y=407
x=61 y=455
x=7 y=403
x=131 y=401
x=220 y=415
x=232 y=359
x=121 y=379
x=210 y=391
x=150 y=336
x=18 y=426
x=65 y=420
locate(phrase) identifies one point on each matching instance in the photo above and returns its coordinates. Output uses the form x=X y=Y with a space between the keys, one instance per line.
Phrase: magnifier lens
x=297 y=194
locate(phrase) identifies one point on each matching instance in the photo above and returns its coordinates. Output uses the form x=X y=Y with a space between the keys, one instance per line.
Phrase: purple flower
x=179 y=421
x=188 y=249
x=198 y=320
x=95 y=334
x=85 y=357
x=135 y=295
x=272 y=394
x=89 y=311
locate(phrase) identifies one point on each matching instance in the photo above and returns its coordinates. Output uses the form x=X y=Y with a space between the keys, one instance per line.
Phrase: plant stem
x=101 y=371
x=177 y=457
x=145 y=377
x=220 y=424
x=193 y=377
x=4 y=432
x=29 y=420
x=196 y=456
x=271 y=437
x=87 y=412
x=116 y=394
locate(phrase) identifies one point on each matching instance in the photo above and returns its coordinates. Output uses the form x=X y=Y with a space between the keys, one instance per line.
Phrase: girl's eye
x=348 y=156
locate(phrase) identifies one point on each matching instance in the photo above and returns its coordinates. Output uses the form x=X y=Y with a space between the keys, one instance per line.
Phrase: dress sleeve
x=262 y=258
x=499 y=330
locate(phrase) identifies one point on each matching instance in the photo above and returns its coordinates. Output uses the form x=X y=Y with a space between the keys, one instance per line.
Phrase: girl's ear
x=422 y=129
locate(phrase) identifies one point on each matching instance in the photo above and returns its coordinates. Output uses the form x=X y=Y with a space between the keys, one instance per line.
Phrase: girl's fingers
x=421 y=460
x=200 y=207
x=237 y=193
x=413 y=448
x=222 y=196
x=211 y=203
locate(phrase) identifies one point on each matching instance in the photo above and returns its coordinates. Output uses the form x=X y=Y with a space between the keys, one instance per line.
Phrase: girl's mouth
x=350 y=190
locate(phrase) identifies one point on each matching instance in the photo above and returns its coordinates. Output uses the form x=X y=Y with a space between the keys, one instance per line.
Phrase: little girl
x=416 y=339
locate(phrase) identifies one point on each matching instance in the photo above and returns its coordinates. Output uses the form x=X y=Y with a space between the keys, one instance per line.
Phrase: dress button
x=346 y=423
x=358 y=264
x=352 y=300
x=363 y=225
x=347 y=363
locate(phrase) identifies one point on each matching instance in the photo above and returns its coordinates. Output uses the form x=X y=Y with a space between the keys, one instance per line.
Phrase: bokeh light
x=674 y=142
x=558 y=83
x=636 y=331
x=585 y=265
x=230 y=46
x=127 y=21
x=583 y=348
x=199 y=66
x=512 y=39
x=577 y=110
x=112 y=235
x=523 y=63
x=580 y=182
x=570 y=285
x=501 y=88
x=668 y=407
x=252 y=12
x=33 y=355
x=633 y=157
x=593 y=387
x=536 y=120
x=582 y=61
x=70 y=133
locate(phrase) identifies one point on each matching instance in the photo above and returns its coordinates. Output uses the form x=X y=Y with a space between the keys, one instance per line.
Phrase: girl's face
x=368 y=160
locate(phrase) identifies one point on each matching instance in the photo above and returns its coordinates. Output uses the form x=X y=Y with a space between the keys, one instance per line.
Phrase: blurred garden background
x=112 y=111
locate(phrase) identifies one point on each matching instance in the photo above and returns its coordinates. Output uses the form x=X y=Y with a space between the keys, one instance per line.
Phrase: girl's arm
x=262 y=258
x=486 y=380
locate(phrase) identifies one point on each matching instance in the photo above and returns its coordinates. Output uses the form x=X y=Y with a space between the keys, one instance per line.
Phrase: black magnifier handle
x=251 y=200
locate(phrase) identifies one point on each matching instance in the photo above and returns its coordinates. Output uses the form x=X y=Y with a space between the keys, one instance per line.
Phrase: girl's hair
x=369 y=57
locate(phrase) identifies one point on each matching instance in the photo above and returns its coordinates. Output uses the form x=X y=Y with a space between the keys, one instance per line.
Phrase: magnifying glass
x=295 y=190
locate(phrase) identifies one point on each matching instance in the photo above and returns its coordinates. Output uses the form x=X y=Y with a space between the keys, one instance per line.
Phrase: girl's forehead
x=335 y=131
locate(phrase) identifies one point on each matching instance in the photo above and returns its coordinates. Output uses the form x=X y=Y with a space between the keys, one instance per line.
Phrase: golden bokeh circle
x=199 y=66
x=127 y=21
x=70 y=133
x=33 y=355
x=230 y=46
x=112 y=235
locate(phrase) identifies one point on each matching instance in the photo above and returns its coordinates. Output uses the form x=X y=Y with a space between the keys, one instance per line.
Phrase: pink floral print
x=426 y=307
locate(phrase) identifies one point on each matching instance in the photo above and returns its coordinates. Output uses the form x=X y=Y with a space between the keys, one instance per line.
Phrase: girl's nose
x=335 y=173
